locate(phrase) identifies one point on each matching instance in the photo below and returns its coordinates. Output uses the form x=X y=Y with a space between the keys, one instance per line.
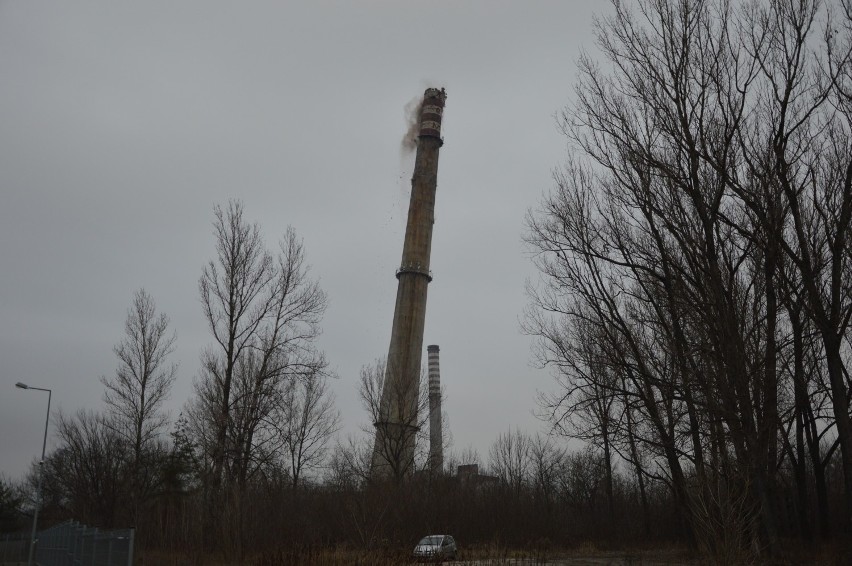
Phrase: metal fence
x=71 y=544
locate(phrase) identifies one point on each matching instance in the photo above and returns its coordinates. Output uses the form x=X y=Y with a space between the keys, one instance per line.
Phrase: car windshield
x=431 y=540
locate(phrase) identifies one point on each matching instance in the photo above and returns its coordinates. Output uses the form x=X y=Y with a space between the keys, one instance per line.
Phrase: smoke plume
x=412 y=120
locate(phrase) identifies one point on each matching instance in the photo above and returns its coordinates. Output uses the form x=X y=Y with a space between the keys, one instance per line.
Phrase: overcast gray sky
x=122 y=124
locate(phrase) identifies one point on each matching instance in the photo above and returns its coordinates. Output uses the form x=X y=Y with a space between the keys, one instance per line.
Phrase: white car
x=436 y=547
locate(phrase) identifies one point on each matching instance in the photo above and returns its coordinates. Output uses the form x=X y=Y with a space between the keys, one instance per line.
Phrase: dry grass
x=482 y=555
x=583 y=554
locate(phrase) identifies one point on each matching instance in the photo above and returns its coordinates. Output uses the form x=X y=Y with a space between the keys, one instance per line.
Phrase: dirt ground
x=597 y=558
x=825 y=557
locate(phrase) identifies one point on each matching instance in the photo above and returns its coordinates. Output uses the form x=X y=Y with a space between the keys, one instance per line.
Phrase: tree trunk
x=801 y=401
x=840 y=404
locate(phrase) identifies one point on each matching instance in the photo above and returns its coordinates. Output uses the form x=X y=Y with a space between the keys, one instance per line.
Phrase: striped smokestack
x=397 y=423
x=436 y=439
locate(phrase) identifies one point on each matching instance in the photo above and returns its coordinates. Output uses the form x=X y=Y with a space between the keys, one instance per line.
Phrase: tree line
x=696 y=268
x=253 y=464
x=261 y=406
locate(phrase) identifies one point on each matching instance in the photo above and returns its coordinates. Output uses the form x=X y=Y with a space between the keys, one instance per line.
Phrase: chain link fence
x=71 y=544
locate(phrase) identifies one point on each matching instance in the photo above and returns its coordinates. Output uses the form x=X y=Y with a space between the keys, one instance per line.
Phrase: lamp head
x=20 y=385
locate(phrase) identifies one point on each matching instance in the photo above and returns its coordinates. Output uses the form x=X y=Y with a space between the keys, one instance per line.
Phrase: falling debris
x=412 y=120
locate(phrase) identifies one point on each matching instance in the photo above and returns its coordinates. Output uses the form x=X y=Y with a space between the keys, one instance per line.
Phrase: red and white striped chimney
x=436 y=440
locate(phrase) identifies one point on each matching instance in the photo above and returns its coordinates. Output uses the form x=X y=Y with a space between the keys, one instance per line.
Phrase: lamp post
x=20 y=385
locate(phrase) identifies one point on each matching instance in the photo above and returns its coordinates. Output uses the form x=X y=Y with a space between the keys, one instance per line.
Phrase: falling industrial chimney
x=436 y=439
x=396 y=427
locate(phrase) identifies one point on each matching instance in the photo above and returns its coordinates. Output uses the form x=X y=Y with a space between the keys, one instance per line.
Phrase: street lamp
x=20 y=385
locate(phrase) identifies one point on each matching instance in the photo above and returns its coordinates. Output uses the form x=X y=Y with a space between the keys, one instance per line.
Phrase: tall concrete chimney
x=396 y=428
x=436 y=438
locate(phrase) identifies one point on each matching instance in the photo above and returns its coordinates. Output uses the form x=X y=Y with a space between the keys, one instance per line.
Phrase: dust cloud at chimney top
x=398 y=419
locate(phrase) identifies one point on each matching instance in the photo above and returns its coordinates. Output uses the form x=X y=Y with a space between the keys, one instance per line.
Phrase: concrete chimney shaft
x=396 y=427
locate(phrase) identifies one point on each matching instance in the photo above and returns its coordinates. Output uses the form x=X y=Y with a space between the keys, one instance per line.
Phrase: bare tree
x=305 y=421
x=142 y=382
x=509 y=458
x=545 y=460
x=715 y=143
x=599 y=283
x=143 y=378
x=285 y=351
x=89 y=468
x=10 y=506
x=818 y=191
x=409 y=426
x=349 y=464
x=580 y=478
x=585 y=407
x=234 y=294
x=264 y=312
